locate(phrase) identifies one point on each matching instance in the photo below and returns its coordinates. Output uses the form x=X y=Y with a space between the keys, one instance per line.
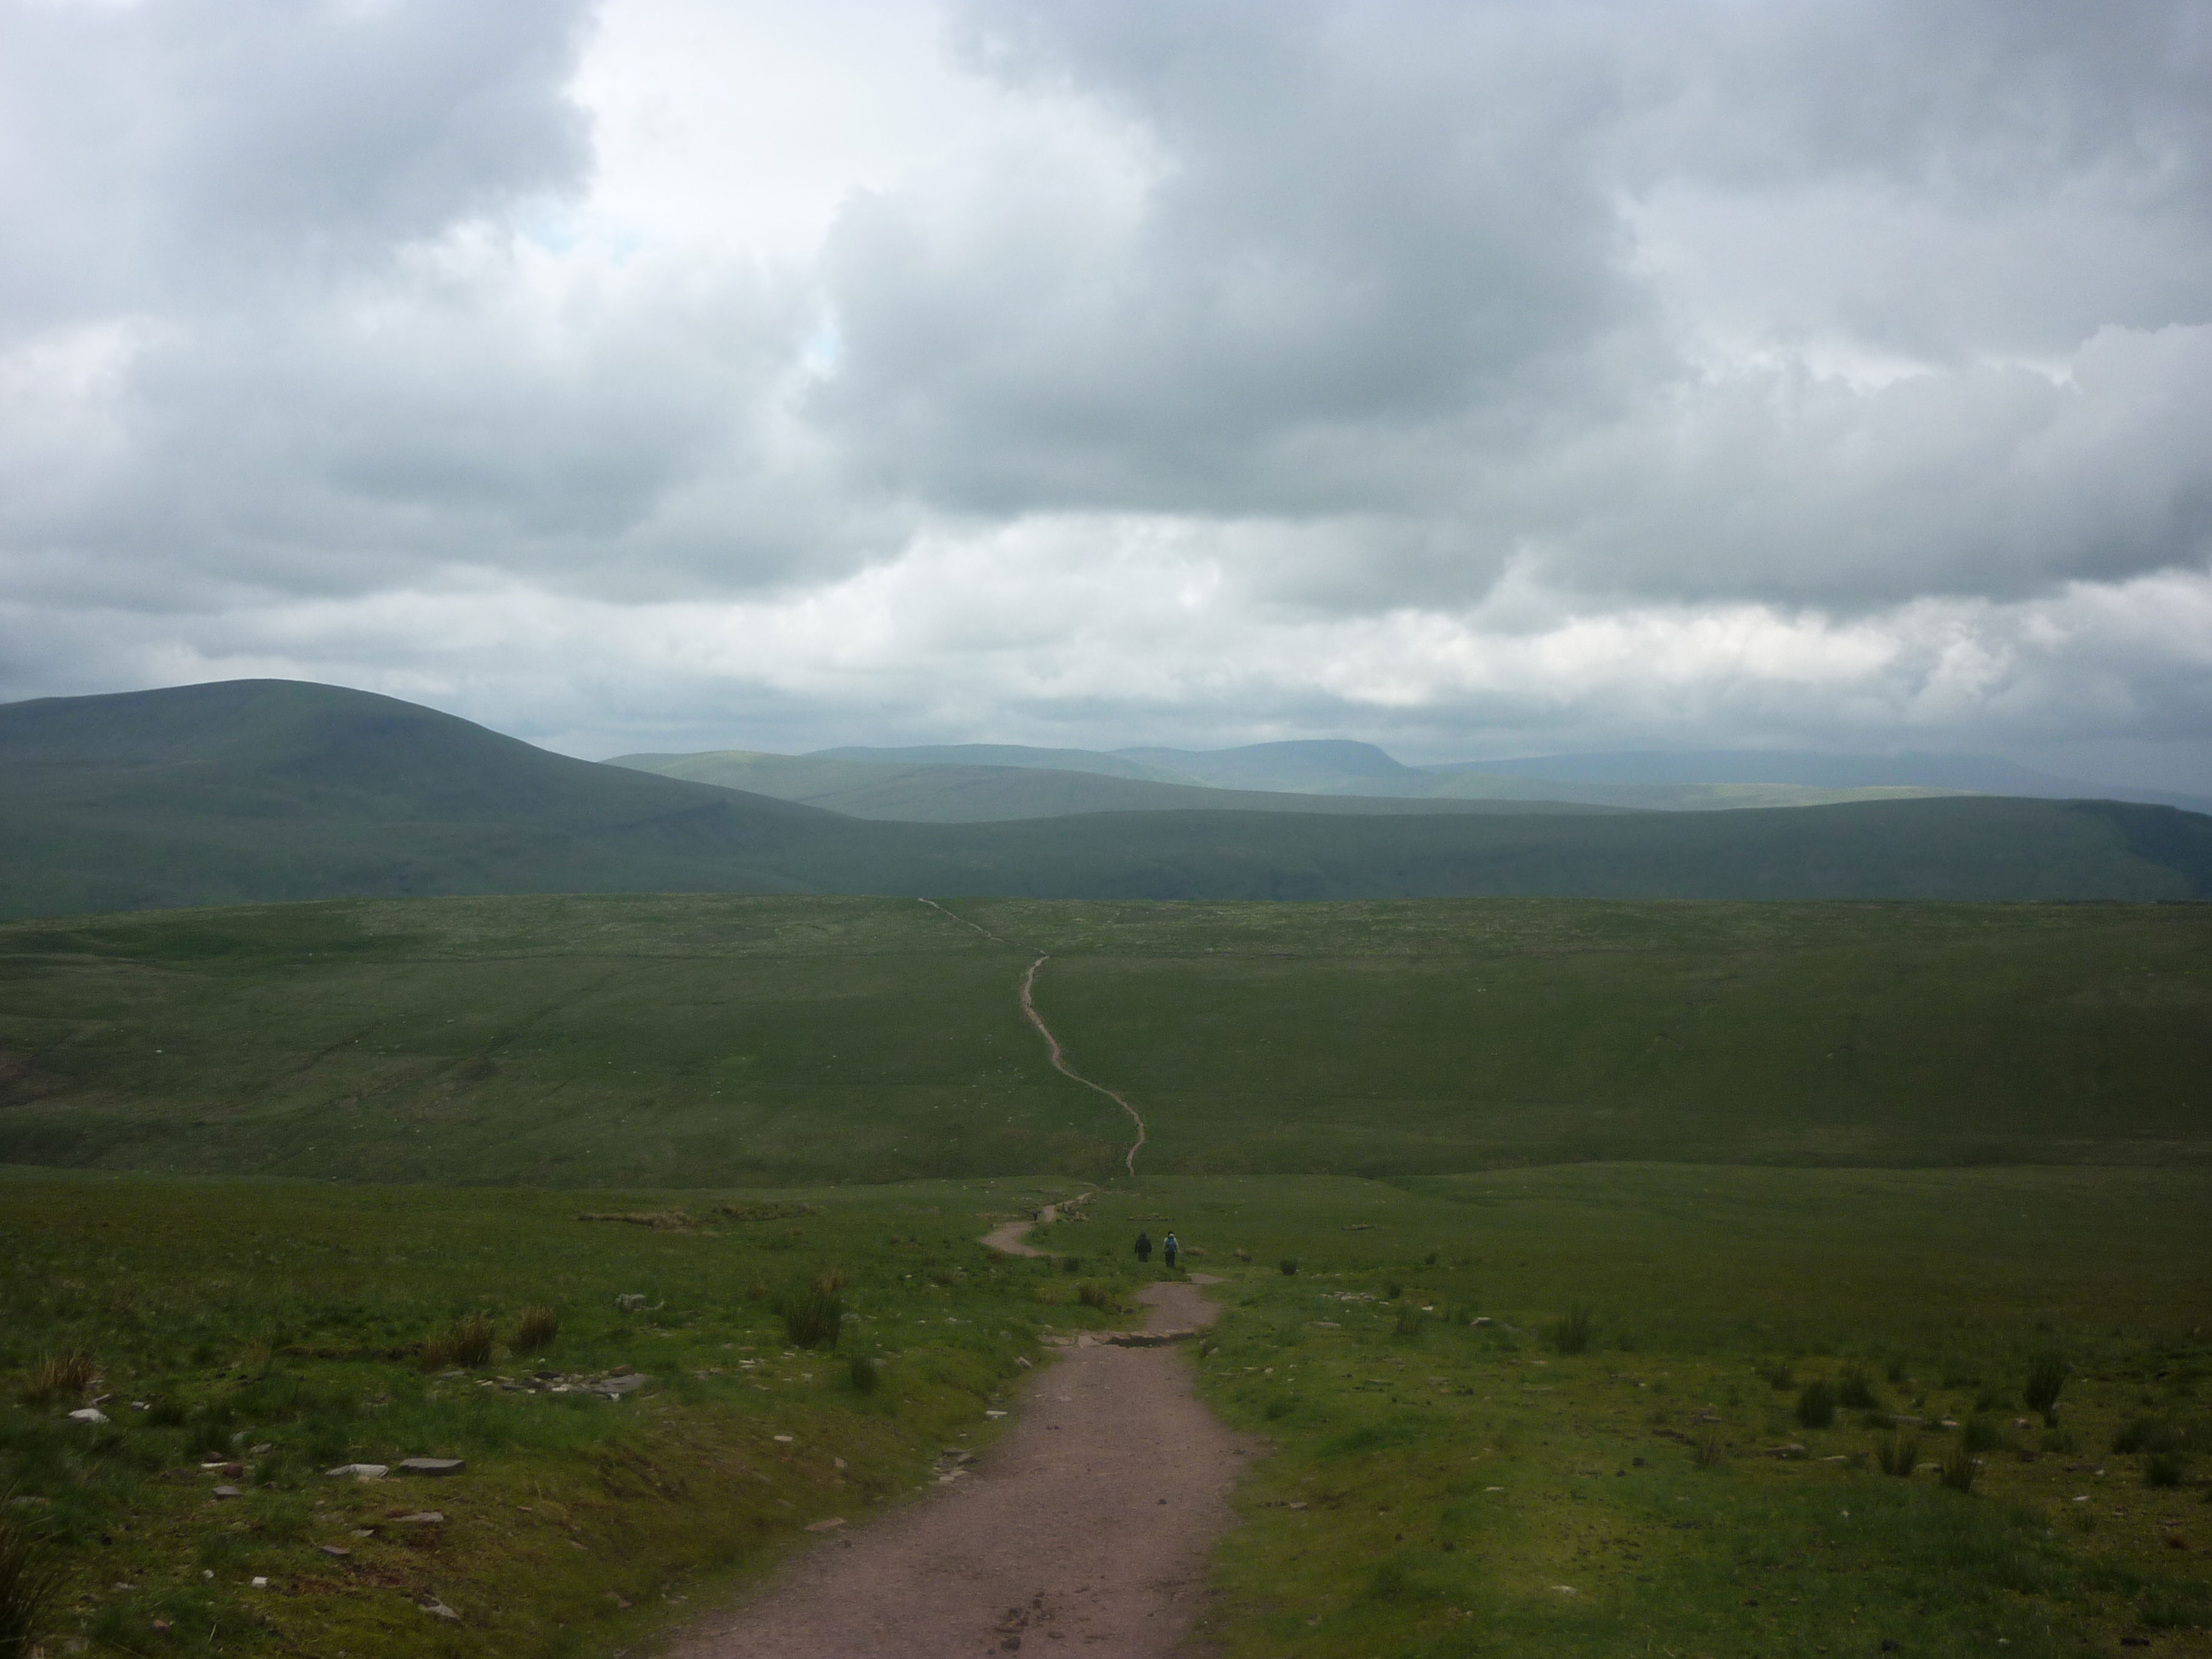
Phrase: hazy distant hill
x=1977 y=774
x=1280 y=773
x=271 y=789
x=947 y=792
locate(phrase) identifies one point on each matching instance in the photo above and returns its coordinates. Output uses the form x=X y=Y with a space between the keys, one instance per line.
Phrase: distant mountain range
x=988 y=782
x=270 y=789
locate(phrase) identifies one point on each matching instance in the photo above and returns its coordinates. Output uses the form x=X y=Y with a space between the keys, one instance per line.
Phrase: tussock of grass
x=814 y=1321
x=466 y=1342
x=30 y=1582
x=2165 y=1468
x=2045 y=1378
x=1571 y=1333
x=1983 y=1434
x=1960 y=1470
x=1855 y=1390
x=1898 y=1453
x=1816 y=1405
x=58 y=1377
x=536 y=1328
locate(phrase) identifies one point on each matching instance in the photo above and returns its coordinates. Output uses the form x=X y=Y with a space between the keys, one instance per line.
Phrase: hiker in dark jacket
x=1167 y=1249
x=1144 y=1246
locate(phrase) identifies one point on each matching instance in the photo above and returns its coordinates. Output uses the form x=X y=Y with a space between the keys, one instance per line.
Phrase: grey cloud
x=1385 y=268
x=199 y=152
x=1343 y=240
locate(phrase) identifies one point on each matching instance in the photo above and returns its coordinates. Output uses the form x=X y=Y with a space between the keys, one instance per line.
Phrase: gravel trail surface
x=1084 y=1531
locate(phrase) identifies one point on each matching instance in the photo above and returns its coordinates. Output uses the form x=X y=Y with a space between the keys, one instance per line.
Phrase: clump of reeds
x=1709 y=1453
x=1410 y=1322
x=831 y=1280
x=865 y=1372
x=1898 y=1453
x=1290 y=1267
x=535 y=1327
x=1780 y=1376
x=1855 y=1391
x=1092 y=1293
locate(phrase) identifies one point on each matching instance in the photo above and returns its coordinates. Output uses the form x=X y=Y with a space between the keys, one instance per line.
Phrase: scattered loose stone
x=421 y=1518
x=431 y=1464
x=630 y=1304
x=226 y=1492
x=359 y=1471
x=88 y=1414
x=440 y=1610
x=337 y=1551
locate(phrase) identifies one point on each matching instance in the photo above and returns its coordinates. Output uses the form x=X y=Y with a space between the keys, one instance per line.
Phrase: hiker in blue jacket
x=1167 y=1249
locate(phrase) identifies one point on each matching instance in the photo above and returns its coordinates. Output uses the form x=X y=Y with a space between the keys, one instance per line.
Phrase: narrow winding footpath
x=1084 y=1531
x=1059 y=1055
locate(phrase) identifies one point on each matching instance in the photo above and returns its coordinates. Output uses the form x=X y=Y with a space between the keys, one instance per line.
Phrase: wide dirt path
x=1084 y=1531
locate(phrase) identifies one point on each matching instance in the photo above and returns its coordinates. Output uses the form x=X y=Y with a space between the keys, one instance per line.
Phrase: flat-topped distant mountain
x=1007 y=754
x=270 y=789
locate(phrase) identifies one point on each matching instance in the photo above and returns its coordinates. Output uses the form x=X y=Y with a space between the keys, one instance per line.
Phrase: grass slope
x=951 y=794
x=1449 y=1488
x=1438 y=1487
x=282 y=1326
x=272 y=790
x=650 y=1040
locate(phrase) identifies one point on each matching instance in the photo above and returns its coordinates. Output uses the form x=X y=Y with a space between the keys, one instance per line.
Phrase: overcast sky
x=1479 y=379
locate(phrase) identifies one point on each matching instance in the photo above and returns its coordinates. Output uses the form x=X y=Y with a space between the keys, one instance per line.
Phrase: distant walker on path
x=1144 y=1246
x=1167 y=1249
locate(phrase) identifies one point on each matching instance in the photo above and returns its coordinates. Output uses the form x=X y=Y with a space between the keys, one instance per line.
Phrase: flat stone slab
x=429 y=1465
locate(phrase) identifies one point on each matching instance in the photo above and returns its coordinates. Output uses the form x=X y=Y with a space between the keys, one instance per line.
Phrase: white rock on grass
x=359 y=1471
x=90 y=1414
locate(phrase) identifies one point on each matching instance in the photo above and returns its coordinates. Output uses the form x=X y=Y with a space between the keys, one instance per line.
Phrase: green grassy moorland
x=1693 y=1161
x=280 y=1328
x=1638 y=1479
x=676 y=1040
